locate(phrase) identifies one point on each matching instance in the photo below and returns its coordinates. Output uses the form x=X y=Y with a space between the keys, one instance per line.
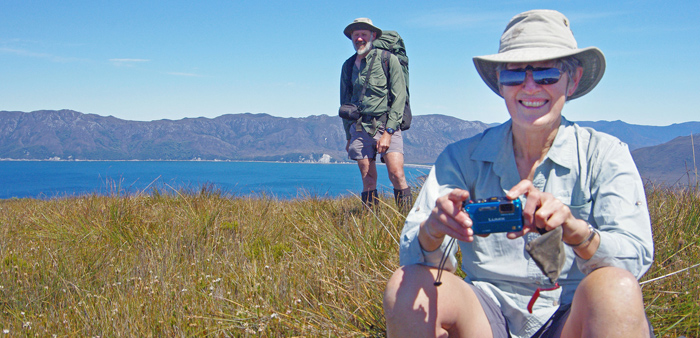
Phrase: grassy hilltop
x=200 y=263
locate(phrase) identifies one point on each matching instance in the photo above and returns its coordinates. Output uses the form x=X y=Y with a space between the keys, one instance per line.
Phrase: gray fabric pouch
x=549 y=253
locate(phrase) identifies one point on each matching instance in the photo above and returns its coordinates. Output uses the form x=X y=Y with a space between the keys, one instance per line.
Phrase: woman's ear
x=573 y=83
x=498 y=83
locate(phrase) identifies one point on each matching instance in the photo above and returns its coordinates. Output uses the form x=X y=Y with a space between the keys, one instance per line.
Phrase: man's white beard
x=366 y=48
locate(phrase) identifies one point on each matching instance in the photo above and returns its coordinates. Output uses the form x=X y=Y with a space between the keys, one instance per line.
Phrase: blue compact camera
x=495 y=214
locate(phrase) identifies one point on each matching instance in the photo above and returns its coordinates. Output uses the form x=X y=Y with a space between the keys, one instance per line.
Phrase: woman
x=566 y=176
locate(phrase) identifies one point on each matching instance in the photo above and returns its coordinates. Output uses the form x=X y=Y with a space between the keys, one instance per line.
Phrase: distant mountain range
x=637 y=136
x=71 y=135
x=670 y=163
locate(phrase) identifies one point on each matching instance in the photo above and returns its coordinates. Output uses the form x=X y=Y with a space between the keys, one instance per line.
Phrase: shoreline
x=410 y=165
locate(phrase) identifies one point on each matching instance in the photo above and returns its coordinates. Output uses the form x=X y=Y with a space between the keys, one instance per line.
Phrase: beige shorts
x=364 y=146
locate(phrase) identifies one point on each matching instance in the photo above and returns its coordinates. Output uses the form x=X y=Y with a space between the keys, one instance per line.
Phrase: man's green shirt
x=376 y=99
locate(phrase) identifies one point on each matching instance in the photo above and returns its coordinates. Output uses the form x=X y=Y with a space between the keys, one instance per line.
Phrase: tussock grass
x=194 y=263
x=672 y=286
x=200 y=263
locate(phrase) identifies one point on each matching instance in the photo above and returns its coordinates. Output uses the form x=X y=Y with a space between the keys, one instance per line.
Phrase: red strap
x=536 y=295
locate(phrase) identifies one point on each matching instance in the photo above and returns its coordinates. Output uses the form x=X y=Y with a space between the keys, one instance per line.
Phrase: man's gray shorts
x=364 y=146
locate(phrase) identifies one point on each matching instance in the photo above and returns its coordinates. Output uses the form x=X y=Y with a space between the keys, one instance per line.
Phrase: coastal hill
x=671 y=163
x=638 y=136
x=71 y=135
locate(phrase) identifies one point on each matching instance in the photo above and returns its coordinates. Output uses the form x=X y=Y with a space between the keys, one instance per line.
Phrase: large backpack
x=391 y=42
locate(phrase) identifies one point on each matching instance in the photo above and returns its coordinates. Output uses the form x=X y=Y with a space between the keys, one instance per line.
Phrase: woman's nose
x=529 y=83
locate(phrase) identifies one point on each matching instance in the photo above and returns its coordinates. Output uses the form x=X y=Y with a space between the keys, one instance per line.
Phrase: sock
x=369 y=198
x=404 y=199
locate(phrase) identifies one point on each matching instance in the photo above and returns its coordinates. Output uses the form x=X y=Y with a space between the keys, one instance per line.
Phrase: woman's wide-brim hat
x=541 y=35
x=361 y=23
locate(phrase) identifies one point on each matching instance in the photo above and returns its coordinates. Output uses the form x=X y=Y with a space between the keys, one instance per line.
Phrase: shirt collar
x=563 y=150
x=496 y=146
x=367 y=57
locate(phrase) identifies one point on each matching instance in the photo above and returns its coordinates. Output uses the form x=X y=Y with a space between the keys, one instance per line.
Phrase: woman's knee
x=411 y=297
x=609 y=291
x=401 y=294
x=392 y=288
x=413 y=285
x=608 y=300
x=611 y=281
x=404 y=279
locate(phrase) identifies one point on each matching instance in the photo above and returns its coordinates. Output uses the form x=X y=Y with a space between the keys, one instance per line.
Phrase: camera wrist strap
x=443 y=260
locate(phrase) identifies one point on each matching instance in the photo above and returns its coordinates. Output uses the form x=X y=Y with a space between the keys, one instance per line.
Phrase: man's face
x=362 y=41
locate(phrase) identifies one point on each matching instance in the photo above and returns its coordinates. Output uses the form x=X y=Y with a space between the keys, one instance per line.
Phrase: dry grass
x=673 y=301
x=200 y=263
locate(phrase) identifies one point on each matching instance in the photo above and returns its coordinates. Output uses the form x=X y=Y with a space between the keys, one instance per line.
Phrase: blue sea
x=51 y=179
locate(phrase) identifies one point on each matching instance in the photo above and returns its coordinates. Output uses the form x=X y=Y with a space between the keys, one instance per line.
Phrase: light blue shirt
x=591 y=172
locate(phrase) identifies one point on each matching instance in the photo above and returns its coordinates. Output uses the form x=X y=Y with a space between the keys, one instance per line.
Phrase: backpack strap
x=347 y=66
x=385 y=66
x=369 y=73
x=347 y=77
x=347 y=69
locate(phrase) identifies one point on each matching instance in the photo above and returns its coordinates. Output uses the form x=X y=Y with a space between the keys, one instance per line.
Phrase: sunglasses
x=542 y=76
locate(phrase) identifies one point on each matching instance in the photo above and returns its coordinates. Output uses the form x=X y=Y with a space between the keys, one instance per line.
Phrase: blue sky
x=150 y=60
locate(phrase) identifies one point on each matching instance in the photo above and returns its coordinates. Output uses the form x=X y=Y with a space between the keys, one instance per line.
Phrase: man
x=575 y=182
x=380 y=102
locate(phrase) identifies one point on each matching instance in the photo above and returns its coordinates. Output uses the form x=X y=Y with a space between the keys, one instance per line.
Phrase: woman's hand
x=543 y=212
x=447 y=218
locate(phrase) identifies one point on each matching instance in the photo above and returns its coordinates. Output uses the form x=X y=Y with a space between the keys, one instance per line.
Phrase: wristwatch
x=591 y=234
x=390 y=130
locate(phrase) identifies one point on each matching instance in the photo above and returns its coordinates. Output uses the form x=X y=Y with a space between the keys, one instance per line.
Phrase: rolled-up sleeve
x=450 y=175
x=411 y=251
x=620 y=213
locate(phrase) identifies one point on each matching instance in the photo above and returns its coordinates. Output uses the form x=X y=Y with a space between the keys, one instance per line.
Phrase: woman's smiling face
x=533 y=105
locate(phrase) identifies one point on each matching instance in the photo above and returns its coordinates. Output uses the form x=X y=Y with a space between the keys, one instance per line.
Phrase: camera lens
x=506 y=208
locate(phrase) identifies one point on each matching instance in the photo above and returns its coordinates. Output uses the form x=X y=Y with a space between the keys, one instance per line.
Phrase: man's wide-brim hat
x=541 y=35
x=361 y=23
